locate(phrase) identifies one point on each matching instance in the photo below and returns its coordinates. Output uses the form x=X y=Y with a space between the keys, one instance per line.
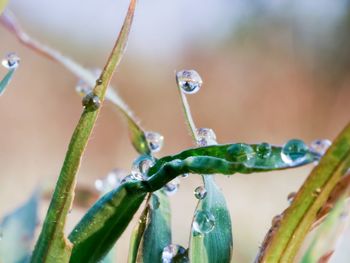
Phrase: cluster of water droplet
x=11 y=61
x=111 y=181
x=155 y=141
x=189 y=81
x=140 y=167
x=174 y=253
x=203 y=222
x=205 y=137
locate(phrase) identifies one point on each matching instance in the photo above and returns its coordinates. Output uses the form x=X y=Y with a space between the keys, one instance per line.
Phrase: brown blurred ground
x=250 y=94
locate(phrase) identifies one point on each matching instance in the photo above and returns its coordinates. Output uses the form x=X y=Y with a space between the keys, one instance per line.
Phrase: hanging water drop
x=205 y=137
x=241 y=153
x=174 y=254
x=141 y=166
x=294 y=152
x=155 y=141
x=320 y=146
x=204 y=222
x=291 y=197
x=11 y=61
x=172 y=187
x=263 y=150
x=200 y=192
x=189 y=81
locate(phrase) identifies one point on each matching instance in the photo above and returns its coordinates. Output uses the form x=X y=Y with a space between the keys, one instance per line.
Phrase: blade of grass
x=282 y=242
x=137 y=134
x=52 y=245
x=6 y=80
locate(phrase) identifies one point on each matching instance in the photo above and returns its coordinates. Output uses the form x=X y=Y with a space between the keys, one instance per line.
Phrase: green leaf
x=329 y=232
x=284 y=240
x=105 y=221
x=17 y=231
x=215 y=246
x=6 y=80
x=52 y=245
x=157 y=233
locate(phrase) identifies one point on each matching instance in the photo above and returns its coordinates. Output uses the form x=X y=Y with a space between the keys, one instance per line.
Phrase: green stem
x=52 y=245
x=284 y=241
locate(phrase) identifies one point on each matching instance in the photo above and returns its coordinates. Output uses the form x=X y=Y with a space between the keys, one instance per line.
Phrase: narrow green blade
x=215 y=246
x=6 y=80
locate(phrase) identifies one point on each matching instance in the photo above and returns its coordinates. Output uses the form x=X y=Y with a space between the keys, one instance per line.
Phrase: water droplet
x=320 y=146
x=127 y=178
x=263 y=150
x=141 y=166
x=99 y=81
x=155 y=141
x=200 y=192
x=11 y=61
x=189 y=81
x=203 y=222
x=174 y=254
x=91 y=101
x=154 y=203
x=206 y=136
x=99 y=185
x=291 y=197
x=276 y=220
x=185 y=175
x=172 y=187
x=241 y=153
x=294 y=152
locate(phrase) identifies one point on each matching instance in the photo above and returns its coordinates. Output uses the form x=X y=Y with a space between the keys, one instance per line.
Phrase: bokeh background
x=272 y=70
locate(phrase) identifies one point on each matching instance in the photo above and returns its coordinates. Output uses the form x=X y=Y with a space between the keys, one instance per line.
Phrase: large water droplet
x=204 y=222
x=263 y=150
x=241 y=153
x=140 y=167
x=205 y=136
x=294 y=152
x=91 y=101
x=189 y=81
x=320 y=146
x=11 y=61
x=172 y=187
x=174 y=254
x=200 y=192
x=155 y=141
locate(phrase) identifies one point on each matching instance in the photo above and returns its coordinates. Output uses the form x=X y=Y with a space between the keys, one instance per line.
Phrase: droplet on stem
x=205 y=137
x=241 y=153
x=291 y=197
x=204 y=222
x=294 y=152
x=263 y=150
x=155 y=141
x=91 y=101
x=140 y=167
x=320 y=146
x=200 y=192
x=11 y=61
x=189 y=81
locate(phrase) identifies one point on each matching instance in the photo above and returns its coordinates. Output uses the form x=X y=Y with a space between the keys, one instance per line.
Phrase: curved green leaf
x=6 y=80
x=105 y=221
x=215 y=246
x=17 y=231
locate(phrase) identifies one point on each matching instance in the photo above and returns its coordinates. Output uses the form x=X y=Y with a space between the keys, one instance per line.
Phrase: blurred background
x=272 y=70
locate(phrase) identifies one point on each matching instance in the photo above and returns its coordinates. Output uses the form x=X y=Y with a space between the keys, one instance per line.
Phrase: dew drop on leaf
x=294 y=152
x=91 y=101
x=205 y=136
x=204 y=222
x=263 y=150
x=140 y=167
x=174 y=254
x=200 y=192
x=291 y=197
x=11 y=61
x=241 y=153
x=189 y=81
x=172 y=187
x=320 y=146
x=155 y=141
